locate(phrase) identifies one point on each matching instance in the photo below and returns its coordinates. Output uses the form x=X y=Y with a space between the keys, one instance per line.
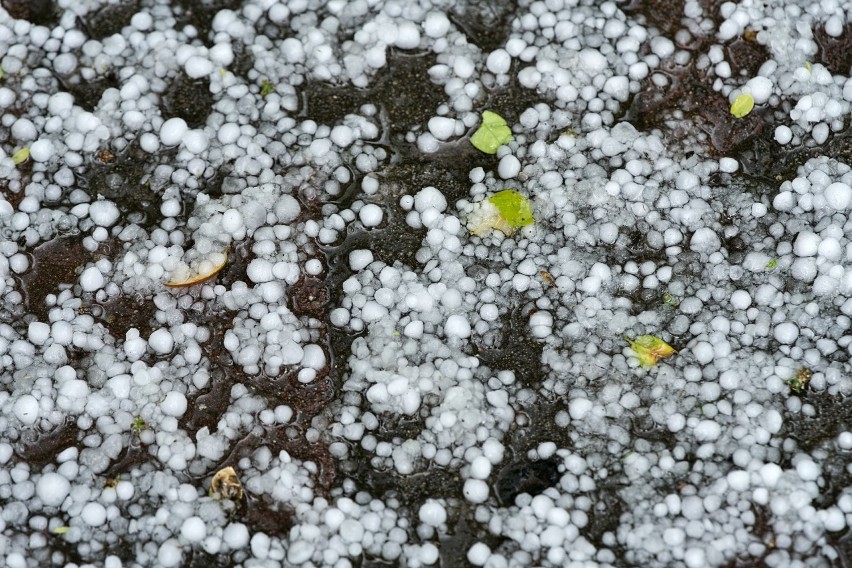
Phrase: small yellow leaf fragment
x=800 y=380
x=60 y=530
x=226 y=485
x=742 y=105
x=21 y=156
x=649 y=349
x=198 y=271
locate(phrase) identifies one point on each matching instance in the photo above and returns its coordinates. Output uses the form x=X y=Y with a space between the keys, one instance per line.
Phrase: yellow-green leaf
x=60 y=530
x=742 y=105
x=504 y=211
x=649 y=349
x=492 y=133
x=772 y=264
x=266 y=88
x=21 y=155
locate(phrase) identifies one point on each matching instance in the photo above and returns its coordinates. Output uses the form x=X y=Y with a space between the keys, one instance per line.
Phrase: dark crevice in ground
x=239 y=257
x=206 y=406
x=131 y=456
x=486 y=24
x=39 y=448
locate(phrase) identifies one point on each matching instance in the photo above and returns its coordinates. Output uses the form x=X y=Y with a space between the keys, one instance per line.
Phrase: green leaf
x=266 y=88
x=772 y=264
x=21 y=155
x=649 y=349
x=504 y=211
x=493 y=133
x=514 y=207
x=742 y=105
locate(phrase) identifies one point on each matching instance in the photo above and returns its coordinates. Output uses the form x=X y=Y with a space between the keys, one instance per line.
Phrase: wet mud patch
x=834 y=52
x=509 y=101
x=509 y=347
x=54 y=263
x=745 y=55
x=123 y=313
x=309 y=297
x=831 y=417
x=87 y=93
x=412 y=490
x=199 y=558
x=200 y=14
x=206 y=406
x=446 y=170
x=38 y=12
x=125 y=177
x=110 y=19
x=465 y=533
x=768 y=163
x=690 y=92
x=665 y=15
x=188 y=99
x=387 y=245
x=523 y=475
x=404 y=88
x=307 y=400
